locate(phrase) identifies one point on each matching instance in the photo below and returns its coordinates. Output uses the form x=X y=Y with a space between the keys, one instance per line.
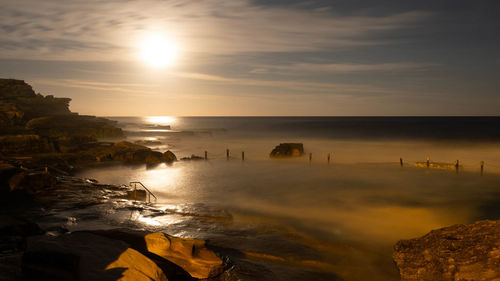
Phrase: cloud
x=131 y=89
x=109 y=30
x=303 y=88
x=300 y=68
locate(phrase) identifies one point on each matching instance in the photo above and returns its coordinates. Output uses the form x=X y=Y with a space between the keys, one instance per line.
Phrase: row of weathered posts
x=328 y=158
x=456 y=165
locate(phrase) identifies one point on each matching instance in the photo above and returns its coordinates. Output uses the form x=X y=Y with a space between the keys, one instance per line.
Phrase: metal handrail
x=145 y=188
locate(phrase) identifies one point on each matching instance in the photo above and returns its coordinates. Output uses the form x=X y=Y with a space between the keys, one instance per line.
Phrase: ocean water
x=313 y=220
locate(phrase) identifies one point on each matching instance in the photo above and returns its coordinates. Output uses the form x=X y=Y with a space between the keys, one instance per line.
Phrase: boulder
x=133 y=153
x=288 y=150
x=153 y=157
x=459 y=252
x=86 y=256
x=192 y=255
x=169 y=156
x=31 y=182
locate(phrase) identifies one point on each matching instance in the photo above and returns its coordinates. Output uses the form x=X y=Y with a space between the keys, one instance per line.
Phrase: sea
x=310 y=218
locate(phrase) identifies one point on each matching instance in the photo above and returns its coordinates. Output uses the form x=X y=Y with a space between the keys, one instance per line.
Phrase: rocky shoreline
x=41 y=144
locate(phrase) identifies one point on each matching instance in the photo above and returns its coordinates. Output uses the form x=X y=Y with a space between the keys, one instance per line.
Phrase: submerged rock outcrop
x=288 y=150
x=128 y=152
x=459 y=252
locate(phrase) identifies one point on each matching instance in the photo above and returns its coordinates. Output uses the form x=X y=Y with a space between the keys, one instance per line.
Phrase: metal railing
x=135 y=183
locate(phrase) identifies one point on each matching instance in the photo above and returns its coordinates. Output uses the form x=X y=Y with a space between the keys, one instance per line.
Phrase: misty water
x=312 y=220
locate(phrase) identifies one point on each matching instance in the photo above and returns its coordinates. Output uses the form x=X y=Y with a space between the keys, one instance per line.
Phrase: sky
x=260 y=57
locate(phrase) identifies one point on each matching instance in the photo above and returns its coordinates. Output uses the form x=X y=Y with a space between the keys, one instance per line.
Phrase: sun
x=158 y=51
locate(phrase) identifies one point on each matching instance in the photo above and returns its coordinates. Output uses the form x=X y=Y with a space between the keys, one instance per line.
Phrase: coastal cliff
x=41 y=138
x=33 y=123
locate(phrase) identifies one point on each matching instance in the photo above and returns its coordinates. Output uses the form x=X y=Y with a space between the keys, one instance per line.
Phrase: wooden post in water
x=457 y=164
x=428 y=162
x=227 y=154
x=482 y=168
x=206 y=155
x=401 y=162
x=243 y=156
x=310 y=157
x=328 y=158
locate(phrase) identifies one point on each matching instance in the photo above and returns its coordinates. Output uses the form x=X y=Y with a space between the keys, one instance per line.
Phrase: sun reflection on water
x=160 y=120
x=162 y=179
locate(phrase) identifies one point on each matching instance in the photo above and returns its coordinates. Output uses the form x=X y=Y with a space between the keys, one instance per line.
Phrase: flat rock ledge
x=459 y=252
x=118 y=254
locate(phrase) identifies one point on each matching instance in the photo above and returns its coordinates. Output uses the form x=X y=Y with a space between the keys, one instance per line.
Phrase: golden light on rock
x=190 y=254
x=137 y=267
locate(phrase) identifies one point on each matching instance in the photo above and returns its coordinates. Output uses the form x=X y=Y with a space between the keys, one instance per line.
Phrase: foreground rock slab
x=459 y=252
x=191 y=255
x=85 y=256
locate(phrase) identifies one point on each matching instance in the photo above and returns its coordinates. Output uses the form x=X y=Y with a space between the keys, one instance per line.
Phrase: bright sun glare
x=161 y=120
x=158 y=51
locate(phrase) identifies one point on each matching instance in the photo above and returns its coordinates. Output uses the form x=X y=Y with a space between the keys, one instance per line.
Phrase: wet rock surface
x=76 y=239
x=186 y=241
x=459 y=252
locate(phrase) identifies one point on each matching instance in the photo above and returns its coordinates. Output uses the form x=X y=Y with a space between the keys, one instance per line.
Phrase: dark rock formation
x=86 y=256
x=169 y=156
x=75 y=126
x=25 y=144
x=6 y=172
x=288 y=150
x=32 y=123
x=23 y=104
x=31 y=182
x=10 y=226
x=118 y=253
x=191 y=255
x=459 y=252
x=128 y=152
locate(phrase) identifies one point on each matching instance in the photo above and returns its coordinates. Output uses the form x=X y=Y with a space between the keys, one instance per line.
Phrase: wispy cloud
x=129 y=89
x=301 y=87
x=301 y=68
x=109 y=30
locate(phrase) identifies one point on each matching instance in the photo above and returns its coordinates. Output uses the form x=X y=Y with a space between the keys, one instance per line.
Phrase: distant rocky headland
x=39 y=134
